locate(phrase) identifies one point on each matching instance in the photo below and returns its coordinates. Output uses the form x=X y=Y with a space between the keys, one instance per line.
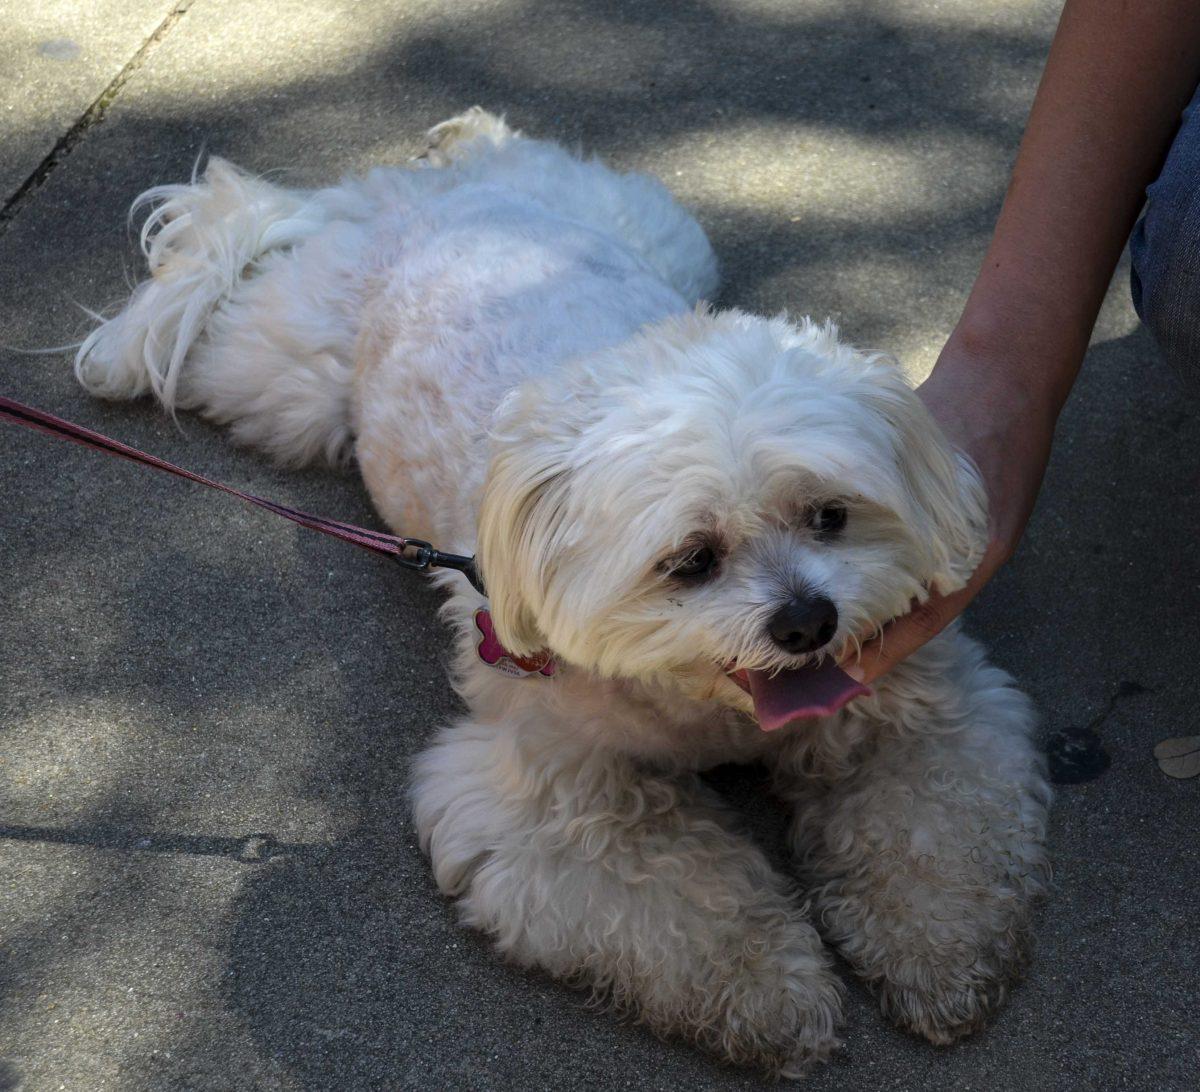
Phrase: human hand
x=985 y=406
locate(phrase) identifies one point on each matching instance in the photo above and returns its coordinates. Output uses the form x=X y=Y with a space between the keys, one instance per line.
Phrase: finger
x=905 y=635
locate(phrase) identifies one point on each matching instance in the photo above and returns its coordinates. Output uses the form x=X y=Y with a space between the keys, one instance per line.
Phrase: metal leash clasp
x=421 y=560
x=426 y=557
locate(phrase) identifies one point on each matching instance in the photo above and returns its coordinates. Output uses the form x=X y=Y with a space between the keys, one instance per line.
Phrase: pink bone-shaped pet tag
x=494 y=654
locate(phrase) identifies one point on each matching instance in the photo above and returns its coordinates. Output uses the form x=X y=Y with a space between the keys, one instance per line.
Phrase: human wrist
x=996 y=356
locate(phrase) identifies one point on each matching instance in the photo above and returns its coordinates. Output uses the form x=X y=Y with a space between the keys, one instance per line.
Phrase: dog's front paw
x=817 y=1013
x=942 y=1014
x=941 y=961
x=776 y=1008
x=950 y=991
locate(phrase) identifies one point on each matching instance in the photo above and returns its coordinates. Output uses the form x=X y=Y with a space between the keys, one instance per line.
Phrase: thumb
x=902 y=637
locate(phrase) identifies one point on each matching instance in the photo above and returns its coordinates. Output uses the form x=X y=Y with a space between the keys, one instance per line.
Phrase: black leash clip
x=426 y=558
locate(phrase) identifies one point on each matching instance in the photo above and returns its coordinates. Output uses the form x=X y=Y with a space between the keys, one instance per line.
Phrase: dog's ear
x=942 y=499
x=521 y=526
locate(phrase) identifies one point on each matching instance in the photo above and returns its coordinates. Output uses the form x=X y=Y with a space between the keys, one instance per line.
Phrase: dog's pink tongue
x=817 y=691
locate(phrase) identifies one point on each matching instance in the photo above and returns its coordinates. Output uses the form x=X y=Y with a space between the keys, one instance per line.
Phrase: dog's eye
x=694 y=565
x=828 y=520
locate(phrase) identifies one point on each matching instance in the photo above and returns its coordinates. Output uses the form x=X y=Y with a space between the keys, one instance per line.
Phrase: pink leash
x=412 y=553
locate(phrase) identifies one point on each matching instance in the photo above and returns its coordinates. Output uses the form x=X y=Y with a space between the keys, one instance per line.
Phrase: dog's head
x=721 y=491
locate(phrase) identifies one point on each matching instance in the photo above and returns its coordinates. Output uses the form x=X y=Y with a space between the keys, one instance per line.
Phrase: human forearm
x=1117 y=77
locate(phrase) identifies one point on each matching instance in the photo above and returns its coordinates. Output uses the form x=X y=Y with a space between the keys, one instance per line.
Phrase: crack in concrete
x=246 y=849
x=89 y=119
x=1128 y=688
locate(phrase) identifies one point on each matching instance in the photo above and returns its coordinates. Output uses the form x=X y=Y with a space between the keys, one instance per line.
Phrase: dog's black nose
x=804 y=624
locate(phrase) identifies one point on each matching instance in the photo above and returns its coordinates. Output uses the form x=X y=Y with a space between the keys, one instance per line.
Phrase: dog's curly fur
x=510 y=341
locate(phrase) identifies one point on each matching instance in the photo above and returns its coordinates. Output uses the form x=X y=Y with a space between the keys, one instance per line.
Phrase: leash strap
x=412 y=553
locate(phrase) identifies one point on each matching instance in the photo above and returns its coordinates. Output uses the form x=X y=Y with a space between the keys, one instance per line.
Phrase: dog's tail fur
x=282 y=386
x=199 y=240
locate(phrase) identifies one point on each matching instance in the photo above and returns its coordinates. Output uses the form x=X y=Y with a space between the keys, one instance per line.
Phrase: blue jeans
x=1165 y=247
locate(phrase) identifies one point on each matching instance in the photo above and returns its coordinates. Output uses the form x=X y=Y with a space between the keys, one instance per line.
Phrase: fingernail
x=856 y=671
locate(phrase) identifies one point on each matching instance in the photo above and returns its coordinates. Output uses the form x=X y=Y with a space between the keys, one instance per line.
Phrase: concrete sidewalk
x=208 y=879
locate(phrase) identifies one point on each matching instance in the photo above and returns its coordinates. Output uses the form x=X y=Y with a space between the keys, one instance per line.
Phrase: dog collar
x=494 y=654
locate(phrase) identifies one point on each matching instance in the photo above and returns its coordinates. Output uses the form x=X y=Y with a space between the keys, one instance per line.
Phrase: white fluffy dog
x=688 y=509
